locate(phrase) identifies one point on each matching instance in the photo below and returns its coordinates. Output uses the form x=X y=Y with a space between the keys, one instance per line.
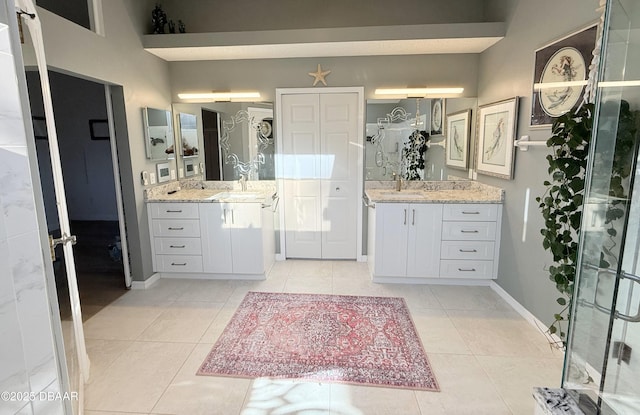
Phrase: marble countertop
x=203 y=194
x=437 y=192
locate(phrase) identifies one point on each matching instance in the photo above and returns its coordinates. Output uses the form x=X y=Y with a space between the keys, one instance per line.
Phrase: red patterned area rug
x=361 y=340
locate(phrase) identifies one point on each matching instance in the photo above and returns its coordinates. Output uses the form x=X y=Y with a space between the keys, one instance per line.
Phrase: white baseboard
x=143 y=285
x=526 y=314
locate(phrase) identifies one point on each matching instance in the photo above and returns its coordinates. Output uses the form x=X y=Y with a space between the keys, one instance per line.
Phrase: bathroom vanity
x=446 y=231
x=212 y=233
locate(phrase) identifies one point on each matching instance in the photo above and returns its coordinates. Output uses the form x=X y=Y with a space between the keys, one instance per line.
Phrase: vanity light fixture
x=220 y=96
x=421 y=92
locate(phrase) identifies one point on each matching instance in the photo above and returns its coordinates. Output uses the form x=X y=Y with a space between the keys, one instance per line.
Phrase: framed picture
x=457 y=141
x=99 y=129
x=164 y=172
x=39 y=128
x=437 y=117
x=561 y=72
x=497 y=124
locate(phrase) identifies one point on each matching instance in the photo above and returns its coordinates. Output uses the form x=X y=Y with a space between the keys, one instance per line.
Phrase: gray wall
x=117 y=58
x=247 y=15
x=505 y=71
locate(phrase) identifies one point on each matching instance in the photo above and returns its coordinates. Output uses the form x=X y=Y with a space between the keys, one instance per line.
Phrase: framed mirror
x=233 y=139
x=158 y=134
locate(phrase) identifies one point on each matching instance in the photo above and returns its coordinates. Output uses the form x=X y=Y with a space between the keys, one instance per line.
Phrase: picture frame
x=99 y=129
x=189 y=167
x=497 y=123
x=564 y=61
x=437 y=117
x=39 y=128
x=164 y=172
x=457 y=139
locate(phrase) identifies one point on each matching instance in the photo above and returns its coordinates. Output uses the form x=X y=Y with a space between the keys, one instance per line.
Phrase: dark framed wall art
x=560 y=75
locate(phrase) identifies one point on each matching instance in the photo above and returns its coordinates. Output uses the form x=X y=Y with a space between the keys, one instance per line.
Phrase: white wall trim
x=146 y=284
x=526 y=314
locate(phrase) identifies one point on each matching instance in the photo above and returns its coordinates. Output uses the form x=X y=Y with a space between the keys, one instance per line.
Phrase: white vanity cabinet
x=237 y=238
x=404 y=240
x=212 y=240
x=470 y=240
x=175 y=237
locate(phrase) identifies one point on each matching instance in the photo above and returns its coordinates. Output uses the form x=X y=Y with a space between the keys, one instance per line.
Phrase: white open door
x=66 y=240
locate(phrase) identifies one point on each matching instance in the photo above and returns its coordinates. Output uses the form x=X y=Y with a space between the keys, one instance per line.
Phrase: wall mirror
x=188 y=136
x=158 y=134
x=233 y=139
x=400 y=138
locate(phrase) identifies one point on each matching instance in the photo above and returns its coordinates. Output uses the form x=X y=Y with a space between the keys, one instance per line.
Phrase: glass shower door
x=601 y=360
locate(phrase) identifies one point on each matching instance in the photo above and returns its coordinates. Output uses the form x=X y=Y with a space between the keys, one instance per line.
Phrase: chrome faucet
x=243 y=182
x=398 y=180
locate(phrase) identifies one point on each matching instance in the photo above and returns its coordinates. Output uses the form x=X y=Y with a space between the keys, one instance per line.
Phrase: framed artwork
x=99 y=129
x=497 y=124
x=437 y=116
x=561 y=73
x=164 y=172
x=457 y=141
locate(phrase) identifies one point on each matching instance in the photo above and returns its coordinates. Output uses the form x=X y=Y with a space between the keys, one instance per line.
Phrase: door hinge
x=64 y=239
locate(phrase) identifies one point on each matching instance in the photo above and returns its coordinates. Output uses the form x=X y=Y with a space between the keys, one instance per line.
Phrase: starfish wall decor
x=319 y=76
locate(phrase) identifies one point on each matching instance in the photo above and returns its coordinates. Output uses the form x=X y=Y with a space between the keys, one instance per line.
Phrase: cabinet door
x=392 y=224
x=246 y=238
x=215 y=231
x=424 y=231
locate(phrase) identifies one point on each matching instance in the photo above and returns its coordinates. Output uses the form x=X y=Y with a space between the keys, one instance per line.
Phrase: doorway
x=210 y=127
x=82 y=120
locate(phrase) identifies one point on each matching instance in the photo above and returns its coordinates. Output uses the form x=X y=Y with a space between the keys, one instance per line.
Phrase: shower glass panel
x=602 y=359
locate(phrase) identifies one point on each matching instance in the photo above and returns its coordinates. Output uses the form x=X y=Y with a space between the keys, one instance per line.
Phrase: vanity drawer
x=472 y=212
x=471 y=231
x=467 y=250
x=176 y=227
x=174 y=210
x=179 y=263
x=178 y=246
x=466 y=269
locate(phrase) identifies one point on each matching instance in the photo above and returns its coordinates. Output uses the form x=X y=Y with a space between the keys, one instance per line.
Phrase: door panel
x=320 y=170
x=302 y=219
x=425 y=228
x=246 y=238
x=391 y=239
x=216 y=237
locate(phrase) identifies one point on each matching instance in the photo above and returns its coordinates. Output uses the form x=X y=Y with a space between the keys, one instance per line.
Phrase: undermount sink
x=235 y=195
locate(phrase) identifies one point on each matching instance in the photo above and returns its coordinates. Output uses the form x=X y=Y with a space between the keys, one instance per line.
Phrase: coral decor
x=333 y=338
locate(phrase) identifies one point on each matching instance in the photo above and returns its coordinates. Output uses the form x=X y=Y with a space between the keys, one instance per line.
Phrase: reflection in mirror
x=232 y=139
x=398 y=139
x=158 y=132
x=188 y=135
x=247 y=144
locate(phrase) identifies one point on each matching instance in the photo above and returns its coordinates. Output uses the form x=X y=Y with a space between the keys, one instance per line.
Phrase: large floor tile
x=287 y=396
x=218 y=325
x=212 y=291
x=499 y=333
x=515 y=378
x=190 y=394
x=310 y=268
x=136 y=380
x=459 y=297
x=309 y=284
x=437 y=332
x=416 y=296
x=121 y=321
x=380 y=401
x=102 y=353
x=465 y=389
x=183 y=322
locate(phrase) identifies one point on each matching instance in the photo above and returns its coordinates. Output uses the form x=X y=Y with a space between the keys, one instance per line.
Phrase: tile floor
x=145 y=349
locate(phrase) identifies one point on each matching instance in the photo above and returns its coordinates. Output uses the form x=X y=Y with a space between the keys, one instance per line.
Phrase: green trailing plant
x=562 y=203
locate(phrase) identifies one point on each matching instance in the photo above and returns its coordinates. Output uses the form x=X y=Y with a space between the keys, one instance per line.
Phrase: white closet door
x=301 y=159
x=339 y=170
